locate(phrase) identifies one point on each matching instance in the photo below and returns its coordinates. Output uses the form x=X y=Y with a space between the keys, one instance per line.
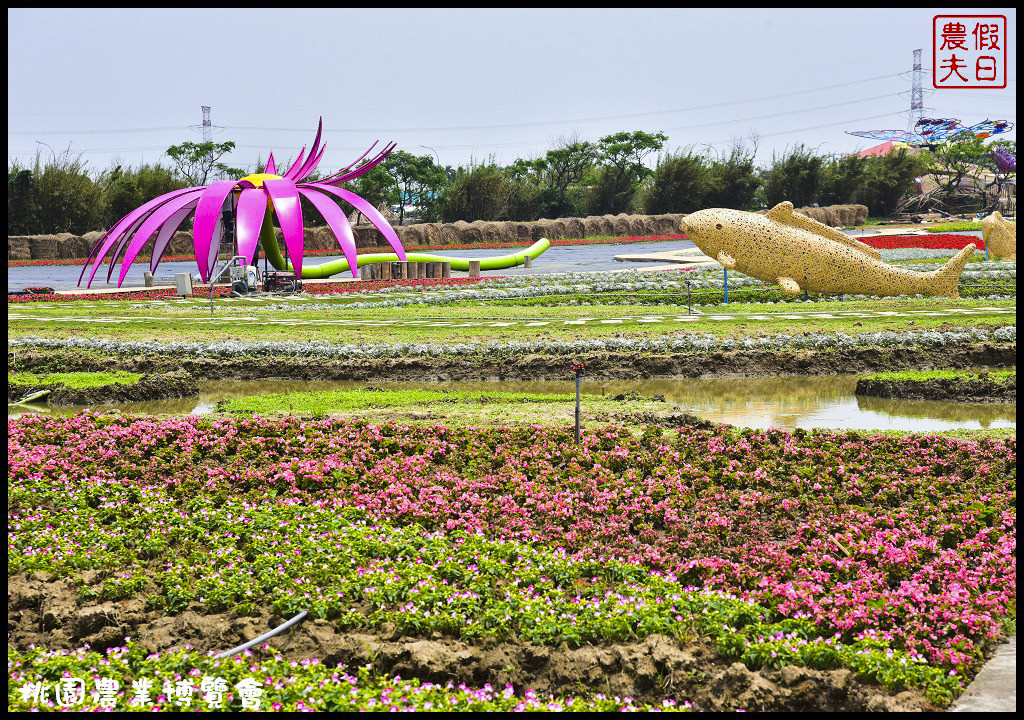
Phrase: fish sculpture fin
x=789 y=285
x=726 y=259
x=946 y=280
x=784 y=213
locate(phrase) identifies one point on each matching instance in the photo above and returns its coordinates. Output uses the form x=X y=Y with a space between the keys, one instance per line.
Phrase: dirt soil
x=149 y=387
x=751 y=363
x=49 y=613
x=980 y=389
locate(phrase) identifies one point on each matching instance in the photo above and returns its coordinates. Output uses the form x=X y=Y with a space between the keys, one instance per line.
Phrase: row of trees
x=574 y=178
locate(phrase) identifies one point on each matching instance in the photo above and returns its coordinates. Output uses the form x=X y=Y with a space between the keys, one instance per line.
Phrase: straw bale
x=18 y=247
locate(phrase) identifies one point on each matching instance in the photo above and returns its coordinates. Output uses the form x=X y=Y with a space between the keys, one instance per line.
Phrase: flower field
x=892 y=558
x=936 y=241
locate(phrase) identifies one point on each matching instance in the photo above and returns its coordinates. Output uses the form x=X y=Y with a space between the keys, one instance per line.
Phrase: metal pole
x=578 y=434
x=725 y=283
x=689 y=307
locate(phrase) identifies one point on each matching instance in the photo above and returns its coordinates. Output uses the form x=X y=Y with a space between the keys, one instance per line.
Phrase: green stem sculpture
x=268 y=240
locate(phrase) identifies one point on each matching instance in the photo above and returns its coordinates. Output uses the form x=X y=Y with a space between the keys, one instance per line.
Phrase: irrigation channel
x=787 y=402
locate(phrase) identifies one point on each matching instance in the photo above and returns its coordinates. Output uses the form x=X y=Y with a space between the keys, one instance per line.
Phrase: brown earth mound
x=149 y=387
x=751 y=363
x=55 y=614
x=978 y=389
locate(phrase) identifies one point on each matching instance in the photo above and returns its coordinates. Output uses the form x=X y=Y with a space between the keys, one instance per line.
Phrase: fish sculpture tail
x=946 y=279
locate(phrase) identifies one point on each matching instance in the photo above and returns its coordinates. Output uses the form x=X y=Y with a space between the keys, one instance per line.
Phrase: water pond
x=787 y=402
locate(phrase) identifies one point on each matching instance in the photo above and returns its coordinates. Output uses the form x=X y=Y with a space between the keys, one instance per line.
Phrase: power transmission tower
x=916 y=93
x=208 y=128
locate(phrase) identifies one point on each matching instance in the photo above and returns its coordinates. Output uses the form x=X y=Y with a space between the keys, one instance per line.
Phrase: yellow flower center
x=258 y=178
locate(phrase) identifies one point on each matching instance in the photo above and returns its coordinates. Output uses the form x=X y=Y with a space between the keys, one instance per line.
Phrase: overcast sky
x=123 y=85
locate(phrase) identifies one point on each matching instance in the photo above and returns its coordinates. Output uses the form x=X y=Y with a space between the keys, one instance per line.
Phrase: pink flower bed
x=909 y=539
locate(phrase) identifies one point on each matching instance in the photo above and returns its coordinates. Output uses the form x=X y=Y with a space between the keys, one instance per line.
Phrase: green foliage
x=416 y=177
x=889 y=179
x=197 y=162
x=52 y=197
x=22 y=201
x=127 y=188
x=952 y=227
x=842 y=177
x=321 y=402
x=735 y=180
x=623 y=170
x=687 y=182
x=681 y=183
x=377 y=186
x=481 y=192
x=795 y=176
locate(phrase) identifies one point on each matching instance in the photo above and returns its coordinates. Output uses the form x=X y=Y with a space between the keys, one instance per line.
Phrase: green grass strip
x=320 y=403
x=74 y=380
x=998 y=376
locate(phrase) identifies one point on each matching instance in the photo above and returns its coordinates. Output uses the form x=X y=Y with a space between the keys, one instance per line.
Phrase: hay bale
x=432 y=234
x=43 y=247
x=367 y=236
x=412 y=235
x=450 y=234
x=620 y=225
x=559 y=229
x=181 y=244
x=504 y=232
x=469 y=233
x=574 y=228
x=73 y=247
x=637 y=225
x=18 y=248
x=540 y=229
x=597 y=226
x=317 y=238
x=521 y=232
x=492 y=232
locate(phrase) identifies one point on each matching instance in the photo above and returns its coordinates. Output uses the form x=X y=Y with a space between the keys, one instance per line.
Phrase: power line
x=500 y=126
x=781 y=114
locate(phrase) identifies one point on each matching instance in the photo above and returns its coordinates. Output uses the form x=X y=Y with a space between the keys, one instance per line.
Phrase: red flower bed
x=935 y=241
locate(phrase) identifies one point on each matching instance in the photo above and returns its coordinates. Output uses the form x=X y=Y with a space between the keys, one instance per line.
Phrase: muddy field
x=52 y=613
x=751 y=363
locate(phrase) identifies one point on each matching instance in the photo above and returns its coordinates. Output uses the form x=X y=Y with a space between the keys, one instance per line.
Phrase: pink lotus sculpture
x=255 y=197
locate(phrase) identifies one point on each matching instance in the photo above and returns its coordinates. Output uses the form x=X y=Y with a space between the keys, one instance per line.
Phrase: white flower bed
x=686 y=343
x=629 y=282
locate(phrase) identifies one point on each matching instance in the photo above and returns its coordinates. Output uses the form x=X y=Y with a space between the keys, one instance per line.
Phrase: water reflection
x=786 y=402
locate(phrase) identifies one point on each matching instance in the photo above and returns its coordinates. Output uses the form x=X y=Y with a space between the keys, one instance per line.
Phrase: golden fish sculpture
x=999 y=236
x=801 y=254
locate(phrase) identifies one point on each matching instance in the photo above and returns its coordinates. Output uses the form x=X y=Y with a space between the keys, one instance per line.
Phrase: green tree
x=125 y=189
x=842 y=179
x=479 y=192
x=681 y=183
x=416 y=176
x=958 y=160
x=377 y=186
x=623 y=170
x=890 y=179
x=562 y=167
x=795 y=176
x=734 y=180
x=53 y=197
x=198 y=163
x=22 y=201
